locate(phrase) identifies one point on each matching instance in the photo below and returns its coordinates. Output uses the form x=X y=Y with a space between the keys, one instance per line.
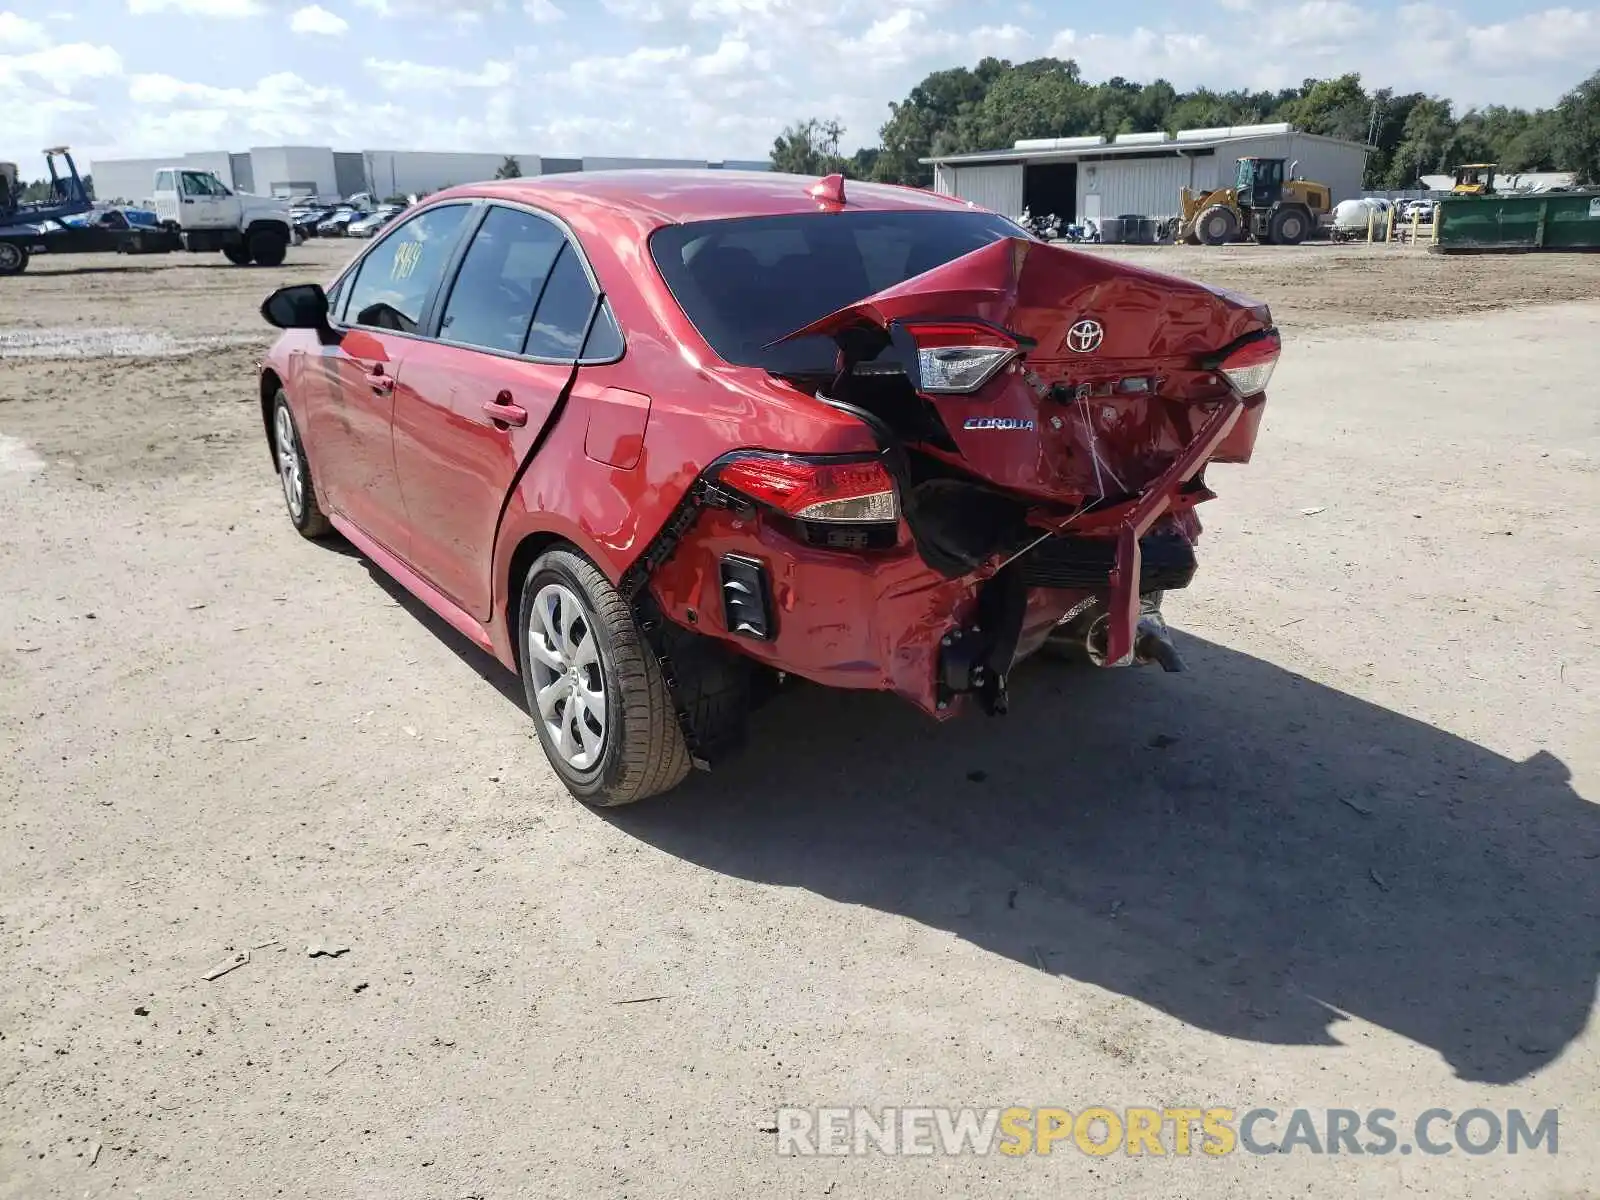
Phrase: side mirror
x=298 y=306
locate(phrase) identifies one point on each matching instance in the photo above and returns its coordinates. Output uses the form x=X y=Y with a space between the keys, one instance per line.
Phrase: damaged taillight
x=1249 y=368
x=829 y=490
x=955 y=358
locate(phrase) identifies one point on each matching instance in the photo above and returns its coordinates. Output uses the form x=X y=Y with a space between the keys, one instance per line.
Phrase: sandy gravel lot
x=1350 y=859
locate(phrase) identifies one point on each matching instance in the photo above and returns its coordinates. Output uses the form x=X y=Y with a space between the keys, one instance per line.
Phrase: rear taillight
x=815 y=489
x=1249 y=368
x=955 y=358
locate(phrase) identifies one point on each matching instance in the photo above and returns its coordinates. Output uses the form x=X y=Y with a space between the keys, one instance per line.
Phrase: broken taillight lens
x=815 y=489
x=956 y=358
x=1249 y=368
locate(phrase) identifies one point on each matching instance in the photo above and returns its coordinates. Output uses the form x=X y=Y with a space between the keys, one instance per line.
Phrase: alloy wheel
x=289 y=465
x=569 y=686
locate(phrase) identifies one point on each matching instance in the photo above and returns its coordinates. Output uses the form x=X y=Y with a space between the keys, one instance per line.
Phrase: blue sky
x=691 y=78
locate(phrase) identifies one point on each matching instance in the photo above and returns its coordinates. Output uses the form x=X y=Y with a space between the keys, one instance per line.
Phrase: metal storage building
x=1088 y=178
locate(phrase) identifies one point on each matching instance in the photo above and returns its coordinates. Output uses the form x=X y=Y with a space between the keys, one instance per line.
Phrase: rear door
x=384 y=306
x=511 y=329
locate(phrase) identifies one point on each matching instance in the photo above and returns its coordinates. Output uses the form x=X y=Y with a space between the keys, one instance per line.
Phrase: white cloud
x=197 y=8
x=60 y=69
x=21 y=33
x=316 y=20
x=408 y=76
x=693 y=78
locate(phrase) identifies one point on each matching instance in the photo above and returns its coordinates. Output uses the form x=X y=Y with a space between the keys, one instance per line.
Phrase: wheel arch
x=522 y=540
x=273 y=224
x=270 y=386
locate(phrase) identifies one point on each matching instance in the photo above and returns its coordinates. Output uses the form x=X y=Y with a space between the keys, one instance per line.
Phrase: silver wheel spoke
x=569 y=618
x=590 y=739
x=587 y=655
x=552 y=694
x=566 y=746
x=540 y=649
x=566 y=676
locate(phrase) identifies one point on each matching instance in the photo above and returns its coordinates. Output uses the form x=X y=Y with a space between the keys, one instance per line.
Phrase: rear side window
x=395 y=281
x=563 y=314
x=492 y=301
x=749 y=281
x=164 y=181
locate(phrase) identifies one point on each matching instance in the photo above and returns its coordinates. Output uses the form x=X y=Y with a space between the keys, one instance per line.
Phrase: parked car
x=656 y=440
x=371 y=223
x=336 y=223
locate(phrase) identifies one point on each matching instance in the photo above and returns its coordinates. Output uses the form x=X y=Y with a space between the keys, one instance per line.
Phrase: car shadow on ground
x=1249 y=851
x=486 y=665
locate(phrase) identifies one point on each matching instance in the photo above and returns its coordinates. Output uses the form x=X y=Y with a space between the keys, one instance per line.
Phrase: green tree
x=811 y=147
x=509 y=168
x=931 y=107
x=1332 y=107
x=1042 y=98
x=1425 y=138
x=1577 y=130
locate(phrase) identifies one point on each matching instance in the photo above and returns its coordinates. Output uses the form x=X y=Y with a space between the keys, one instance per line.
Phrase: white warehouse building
x=325 y=172
x=1088 y=178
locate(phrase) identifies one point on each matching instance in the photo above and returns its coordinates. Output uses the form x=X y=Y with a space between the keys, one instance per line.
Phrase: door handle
x=381 y=383
x=503 y=412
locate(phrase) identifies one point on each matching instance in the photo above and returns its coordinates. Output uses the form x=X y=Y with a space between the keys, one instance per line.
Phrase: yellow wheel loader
x=1474 y=179
x=1265 y=202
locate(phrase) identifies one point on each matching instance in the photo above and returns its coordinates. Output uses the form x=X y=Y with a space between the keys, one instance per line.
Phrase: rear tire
x=594 y=686
x=239 y=256
x=13 y=258
x=1289 y=226
x=269 y=247
x=1219 y=224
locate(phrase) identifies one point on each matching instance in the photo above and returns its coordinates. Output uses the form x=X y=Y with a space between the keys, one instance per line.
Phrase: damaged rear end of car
x=1040 y=422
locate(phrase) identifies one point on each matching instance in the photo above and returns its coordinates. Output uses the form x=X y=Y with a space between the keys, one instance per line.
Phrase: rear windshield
x=748 y=281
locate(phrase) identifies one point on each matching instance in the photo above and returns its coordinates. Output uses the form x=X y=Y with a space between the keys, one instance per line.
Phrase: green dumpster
x=1545 y=221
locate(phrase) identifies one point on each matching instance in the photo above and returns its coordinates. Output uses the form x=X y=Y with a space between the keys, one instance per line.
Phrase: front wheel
x=594 y=686
x=239 y=256
x=1289 y=227
x=1218 y=225
x=294 y=472
x=268 y=247
x=13 y=258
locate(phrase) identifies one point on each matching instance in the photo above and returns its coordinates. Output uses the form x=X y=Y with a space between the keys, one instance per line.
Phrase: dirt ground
x=1350 y=859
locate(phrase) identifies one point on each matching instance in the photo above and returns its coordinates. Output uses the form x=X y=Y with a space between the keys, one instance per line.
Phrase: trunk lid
x=1115 y=374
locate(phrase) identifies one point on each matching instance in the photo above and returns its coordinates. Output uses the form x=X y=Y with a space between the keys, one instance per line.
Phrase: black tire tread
x=651 y=757
x=268 y=247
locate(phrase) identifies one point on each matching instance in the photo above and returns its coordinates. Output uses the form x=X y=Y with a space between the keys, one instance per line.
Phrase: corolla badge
x=1085 y=336
x=1017 y=423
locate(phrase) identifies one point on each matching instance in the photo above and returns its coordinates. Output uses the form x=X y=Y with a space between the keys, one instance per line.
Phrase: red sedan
x=656 y=439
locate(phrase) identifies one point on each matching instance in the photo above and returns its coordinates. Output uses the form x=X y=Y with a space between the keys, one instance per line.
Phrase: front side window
x=396 y=279
x=492 y=302
x=202 y=183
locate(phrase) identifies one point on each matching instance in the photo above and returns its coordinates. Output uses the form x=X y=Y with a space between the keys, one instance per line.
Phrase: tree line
x=990 y=106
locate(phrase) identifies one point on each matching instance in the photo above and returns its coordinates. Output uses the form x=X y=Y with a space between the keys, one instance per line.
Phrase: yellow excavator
x=1266 y=202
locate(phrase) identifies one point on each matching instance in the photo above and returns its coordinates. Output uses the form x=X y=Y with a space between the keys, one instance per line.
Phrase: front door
x=476 y=400
x=203 y=202
x=381 y=321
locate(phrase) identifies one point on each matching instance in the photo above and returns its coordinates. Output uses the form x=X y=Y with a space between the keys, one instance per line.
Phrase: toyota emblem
x=1085 y=336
